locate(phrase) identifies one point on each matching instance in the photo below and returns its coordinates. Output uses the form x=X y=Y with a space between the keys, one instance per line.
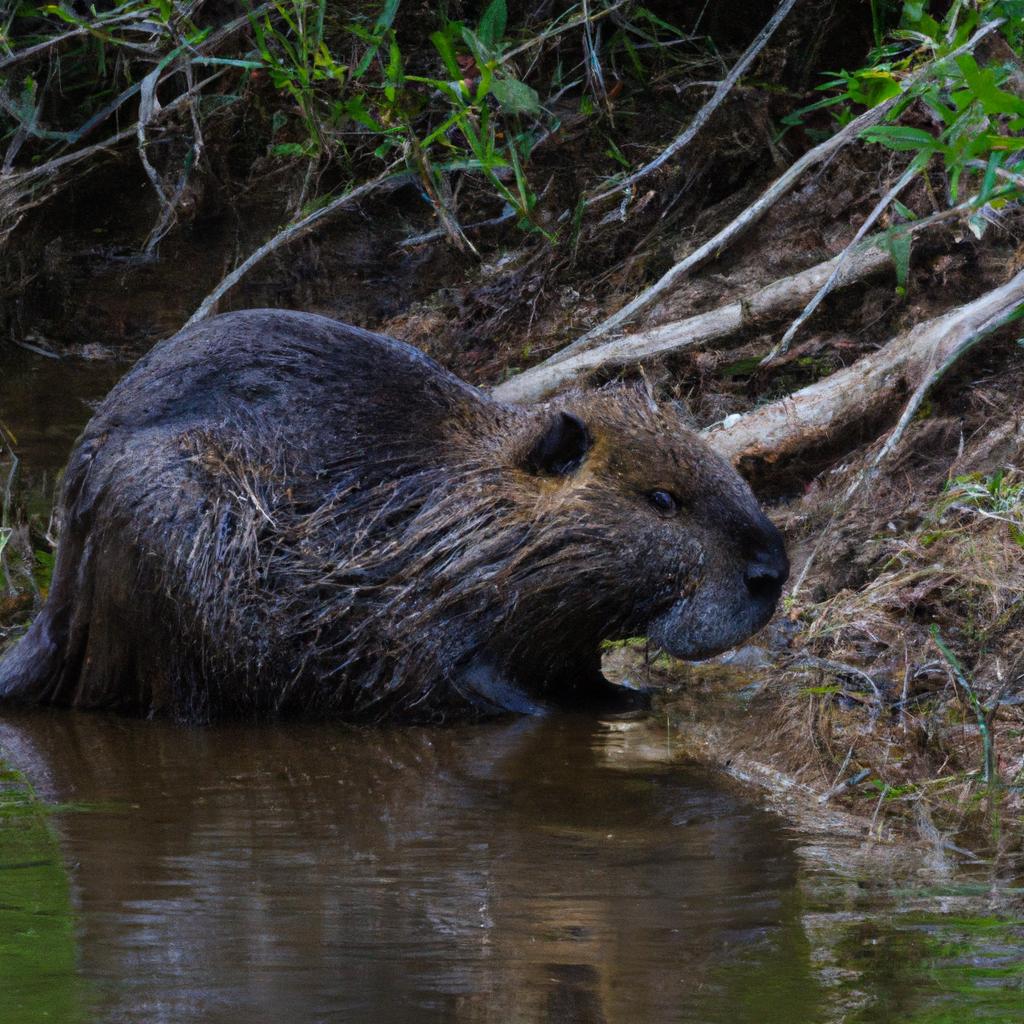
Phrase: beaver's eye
x=664 y=502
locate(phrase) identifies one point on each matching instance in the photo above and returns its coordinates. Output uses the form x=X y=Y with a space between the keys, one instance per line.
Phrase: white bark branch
x=773 y=300
x=818 y=414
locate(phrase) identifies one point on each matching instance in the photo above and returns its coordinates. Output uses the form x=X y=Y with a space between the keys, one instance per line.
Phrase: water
x=554 y=870
x=46 y=403
x=562 y=870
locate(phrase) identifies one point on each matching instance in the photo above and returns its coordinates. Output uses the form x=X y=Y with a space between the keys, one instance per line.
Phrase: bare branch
x=811 y=417
x=768 y=198
x=387 y=181
x=773 y=300
x=46 y=44
x=869 y=222
x=702 y=116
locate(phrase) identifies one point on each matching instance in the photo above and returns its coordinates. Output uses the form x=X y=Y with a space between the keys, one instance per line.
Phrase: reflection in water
x=556 y=870
x=46 y=403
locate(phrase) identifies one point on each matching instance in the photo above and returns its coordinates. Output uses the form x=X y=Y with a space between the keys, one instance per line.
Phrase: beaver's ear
x=561 y=448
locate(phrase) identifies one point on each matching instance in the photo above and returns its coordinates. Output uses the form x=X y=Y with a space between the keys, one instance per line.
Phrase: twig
x=556 y=31
x=722 y=89
x=388 y=180
x=964 y=345
x=853 y=780
x=769 y=197
x=148 y=106
x=880 y=207
x=436 y=233
x=23 y=181
x=838 y=668
x=31 y=51
x=816 y=413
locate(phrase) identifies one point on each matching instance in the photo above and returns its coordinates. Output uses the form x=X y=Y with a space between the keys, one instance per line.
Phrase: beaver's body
x=276 y=512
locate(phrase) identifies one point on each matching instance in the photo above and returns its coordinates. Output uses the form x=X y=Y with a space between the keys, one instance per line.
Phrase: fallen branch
x=853 y=264
x=869 y=222
x=722 y=89
x=815 y=415
x=386 y=181
x=780 y=187
x=773 y=300
x=14 y=188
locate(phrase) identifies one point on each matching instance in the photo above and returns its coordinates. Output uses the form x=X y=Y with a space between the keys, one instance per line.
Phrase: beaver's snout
x=767 y=566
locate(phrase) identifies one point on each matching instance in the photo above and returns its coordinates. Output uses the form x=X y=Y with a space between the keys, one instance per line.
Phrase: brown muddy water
x=565 y=870
x=521 y=871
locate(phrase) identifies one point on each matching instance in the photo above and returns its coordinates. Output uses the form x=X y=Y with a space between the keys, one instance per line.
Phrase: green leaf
x=797 y=116
x=384 y=22
x=983 y=84
x=1007 y=143
x=897 y=245
x=913 y=11
x=994 y=160
x=443 y=44
x=42 y=571
x=229 y=62
x=481 y=53
x=901 y=138
x=491 y=29
x=355 y=108
x=515 y=96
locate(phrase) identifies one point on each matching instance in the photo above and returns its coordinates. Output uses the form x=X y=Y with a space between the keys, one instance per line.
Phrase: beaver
x=274 y=512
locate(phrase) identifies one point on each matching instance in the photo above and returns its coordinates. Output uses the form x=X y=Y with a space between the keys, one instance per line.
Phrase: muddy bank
x=894 y=786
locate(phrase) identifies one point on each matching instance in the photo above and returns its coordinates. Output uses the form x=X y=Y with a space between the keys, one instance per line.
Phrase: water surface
x=559 y=870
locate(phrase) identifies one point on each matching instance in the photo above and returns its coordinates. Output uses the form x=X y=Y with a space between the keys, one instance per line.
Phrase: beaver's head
x=646 y=526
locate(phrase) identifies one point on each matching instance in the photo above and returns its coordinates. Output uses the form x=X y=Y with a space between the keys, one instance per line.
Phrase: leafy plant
x=999 y=496
x=977 y=121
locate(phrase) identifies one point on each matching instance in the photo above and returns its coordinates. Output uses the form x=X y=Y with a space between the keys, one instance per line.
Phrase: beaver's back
x=293 y=369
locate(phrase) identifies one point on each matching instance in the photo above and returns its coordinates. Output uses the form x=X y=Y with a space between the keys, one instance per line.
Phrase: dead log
x=818 y=415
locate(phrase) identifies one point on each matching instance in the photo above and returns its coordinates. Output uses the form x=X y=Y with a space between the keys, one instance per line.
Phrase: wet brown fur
x=248 y=555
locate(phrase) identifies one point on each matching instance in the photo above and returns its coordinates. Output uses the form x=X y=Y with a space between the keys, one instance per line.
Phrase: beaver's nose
x=768 y=569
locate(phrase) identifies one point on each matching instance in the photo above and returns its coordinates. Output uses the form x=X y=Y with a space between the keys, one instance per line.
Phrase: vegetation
x=353 y=89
